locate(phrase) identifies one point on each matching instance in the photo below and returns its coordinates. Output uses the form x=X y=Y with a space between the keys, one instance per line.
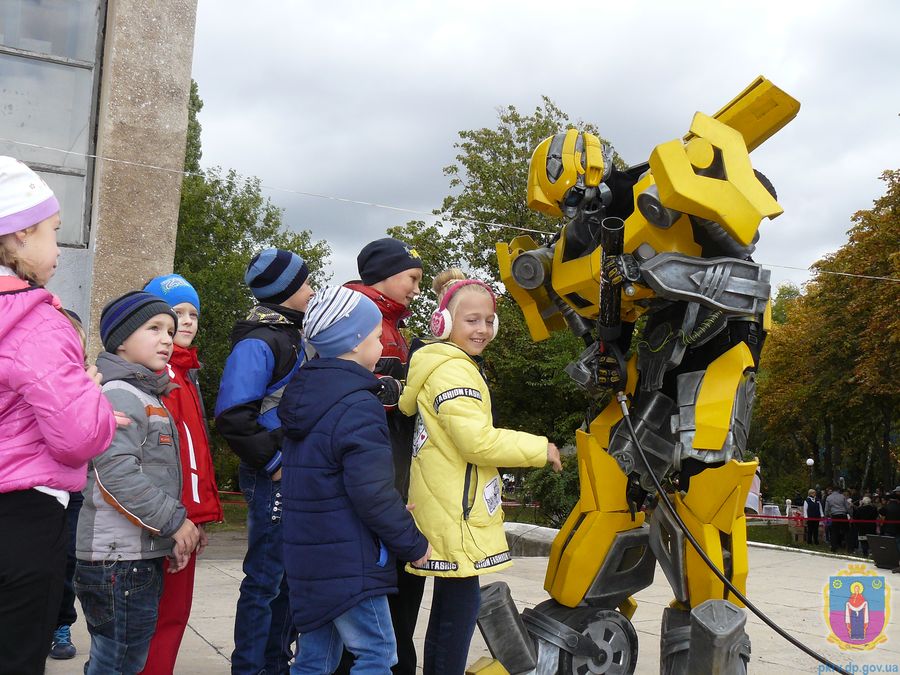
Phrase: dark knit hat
x=124 y=315
x=274 y=275
x=384 y=258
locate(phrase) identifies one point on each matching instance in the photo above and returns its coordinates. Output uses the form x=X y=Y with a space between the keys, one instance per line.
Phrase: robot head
x=563 y=169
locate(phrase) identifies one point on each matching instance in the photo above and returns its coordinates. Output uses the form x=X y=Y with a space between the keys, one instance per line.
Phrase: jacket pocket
x=485 y=506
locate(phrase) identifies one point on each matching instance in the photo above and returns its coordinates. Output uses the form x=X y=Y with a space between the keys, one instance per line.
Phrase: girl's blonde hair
x=445 y=279
x=8 y=257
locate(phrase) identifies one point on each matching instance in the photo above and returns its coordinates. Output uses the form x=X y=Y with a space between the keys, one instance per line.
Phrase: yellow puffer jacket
x=454 y=481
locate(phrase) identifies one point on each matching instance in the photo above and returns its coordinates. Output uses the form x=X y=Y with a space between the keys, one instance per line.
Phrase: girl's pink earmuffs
x=442 y=322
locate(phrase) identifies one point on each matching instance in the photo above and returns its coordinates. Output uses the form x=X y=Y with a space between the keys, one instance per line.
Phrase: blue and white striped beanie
x=274 y=275
x=338 y=319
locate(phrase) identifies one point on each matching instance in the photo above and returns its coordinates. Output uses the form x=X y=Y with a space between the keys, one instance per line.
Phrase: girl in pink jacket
x=53 y=419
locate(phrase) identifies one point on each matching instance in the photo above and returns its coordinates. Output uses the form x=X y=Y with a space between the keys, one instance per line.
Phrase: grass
x=235 y=515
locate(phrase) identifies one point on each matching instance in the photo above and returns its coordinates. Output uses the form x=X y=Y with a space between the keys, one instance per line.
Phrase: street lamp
x=809 y=463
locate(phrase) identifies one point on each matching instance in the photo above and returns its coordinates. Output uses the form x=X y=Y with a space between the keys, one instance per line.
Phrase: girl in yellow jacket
x=455 y=485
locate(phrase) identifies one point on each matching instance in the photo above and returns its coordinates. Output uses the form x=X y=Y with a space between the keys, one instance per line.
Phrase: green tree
x=828 y=388
x=223 y=221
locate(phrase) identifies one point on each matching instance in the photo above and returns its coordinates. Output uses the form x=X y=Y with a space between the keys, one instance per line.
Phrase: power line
x=399 y=209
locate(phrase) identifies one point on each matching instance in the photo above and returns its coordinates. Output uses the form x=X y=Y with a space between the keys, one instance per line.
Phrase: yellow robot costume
x=669 y=240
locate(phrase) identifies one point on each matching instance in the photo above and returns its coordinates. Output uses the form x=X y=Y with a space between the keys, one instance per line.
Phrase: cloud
x=365 y=100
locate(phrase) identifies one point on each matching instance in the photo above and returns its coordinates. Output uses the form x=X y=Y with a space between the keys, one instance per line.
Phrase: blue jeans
x=262 y=622
x=364 y=629
x=120 y=601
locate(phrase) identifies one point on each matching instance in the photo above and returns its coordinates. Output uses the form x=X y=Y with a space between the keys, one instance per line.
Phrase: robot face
x=563 y=169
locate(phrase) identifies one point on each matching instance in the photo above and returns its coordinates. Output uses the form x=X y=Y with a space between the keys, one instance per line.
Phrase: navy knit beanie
x=274 y=275
x=124 y=315
x=384 y=258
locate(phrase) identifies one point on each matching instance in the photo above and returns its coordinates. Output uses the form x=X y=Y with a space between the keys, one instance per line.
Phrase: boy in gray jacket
x=132 y=517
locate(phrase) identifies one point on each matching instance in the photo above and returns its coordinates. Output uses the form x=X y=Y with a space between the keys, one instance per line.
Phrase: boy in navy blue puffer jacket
x=344 y=521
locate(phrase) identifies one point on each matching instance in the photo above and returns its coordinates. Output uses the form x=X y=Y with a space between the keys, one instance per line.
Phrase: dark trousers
x=67 y=614
x=32 y=565
x=839 y=528
x=404 y=612
x=812 y=532
x=454 y=611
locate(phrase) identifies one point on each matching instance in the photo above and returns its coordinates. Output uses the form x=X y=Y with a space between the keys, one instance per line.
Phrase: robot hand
x=621 y=269
x=609 y=372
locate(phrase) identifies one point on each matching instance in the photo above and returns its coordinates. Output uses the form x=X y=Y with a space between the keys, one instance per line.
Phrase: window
x=49 y=66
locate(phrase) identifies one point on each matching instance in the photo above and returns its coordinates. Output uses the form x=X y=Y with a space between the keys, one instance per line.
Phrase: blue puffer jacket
x=343 y=519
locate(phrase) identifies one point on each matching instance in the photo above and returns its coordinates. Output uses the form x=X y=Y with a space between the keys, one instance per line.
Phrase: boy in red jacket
x=199 y=495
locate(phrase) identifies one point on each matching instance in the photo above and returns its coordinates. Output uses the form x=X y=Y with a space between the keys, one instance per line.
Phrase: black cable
x=620 y=397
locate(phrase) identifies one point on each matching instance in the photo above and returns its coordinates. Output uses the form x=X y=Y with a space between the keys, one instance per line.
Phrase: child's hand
x=410 y=507
x=276 y=476
x=186 y=539
x=553 y=457
x=122 y=420
x=424 y=559
x=94 y=375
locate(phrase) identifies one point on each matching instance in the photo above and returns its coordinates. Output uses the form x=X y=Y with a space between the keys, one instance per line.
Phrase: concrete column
x=142 y=118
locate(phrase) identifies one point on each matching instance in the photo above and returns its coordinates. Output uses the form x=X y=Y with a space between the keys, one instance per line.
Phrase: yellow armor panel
x=715 y=401
x=714 y=505
x=580 y=547
x=738 y=202
x=534 y=303
x=758 y=112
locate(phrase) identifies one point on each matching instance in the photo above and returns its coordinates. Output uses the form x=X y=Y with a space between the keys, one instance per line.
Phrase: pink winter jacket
x=53 y=418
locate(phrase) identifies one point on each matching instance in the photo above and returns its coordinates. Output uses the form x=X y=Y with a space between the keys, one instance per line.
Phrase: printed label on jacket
x=420 y=436
x=438 y=566
x=450 y=394
x=493 y=560
x=165 y=439
x=492 y=496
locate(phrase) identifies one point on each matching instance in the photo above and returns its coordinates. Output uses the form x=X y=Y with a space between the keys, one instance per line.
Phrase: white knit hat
x=338 y=319
x=25 y=199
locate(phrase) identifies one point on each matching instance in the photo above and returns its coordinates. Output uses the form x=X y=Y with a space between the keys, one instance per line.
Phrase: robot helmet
x=571 y=159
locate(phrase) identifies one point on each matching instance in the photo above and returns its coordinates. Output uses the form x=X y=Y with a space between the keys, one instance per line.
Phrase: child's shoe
x=62 y=647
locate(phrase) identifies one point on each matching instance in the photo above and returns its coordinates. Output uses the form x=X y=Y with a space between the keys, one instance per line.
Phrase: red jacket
x=199 y=495
x=392 y=366
x=396 y=352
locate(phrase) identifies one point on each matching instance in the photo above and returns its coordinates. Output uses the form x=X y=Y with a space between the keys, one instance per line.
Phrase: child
x=266 y=352
x=391 y=272
x=344 y=520
x=454 y=483
x=199 y=493
x=53 y=419
x=132 y=515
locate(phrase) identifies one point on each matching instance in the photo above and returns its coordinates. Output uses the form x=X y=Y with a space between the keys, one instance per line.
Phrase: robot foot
x=552 y=638
x=582 y=640
x=708 y=639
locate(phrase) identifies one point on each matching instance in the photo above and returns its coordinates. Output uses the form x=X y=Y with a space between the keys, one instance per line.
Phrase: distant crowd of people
x=848 y=518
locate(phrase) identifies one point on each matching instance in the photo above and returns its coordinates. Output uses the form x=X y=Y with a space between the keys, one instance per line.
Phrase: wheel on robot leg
x=611 y=631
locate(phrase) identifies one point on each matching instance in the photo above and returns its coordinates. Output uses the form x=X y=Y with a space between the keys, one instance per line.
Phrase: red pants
x=174 y=612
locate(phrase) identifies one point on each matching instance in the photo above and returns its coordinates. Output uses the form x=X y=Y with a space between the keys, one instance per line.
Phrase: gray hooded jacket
x=132 y=500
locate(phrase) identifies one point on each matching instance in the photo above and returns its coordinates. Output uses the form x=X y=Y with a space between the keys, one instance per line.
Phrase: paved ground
x=788 y=585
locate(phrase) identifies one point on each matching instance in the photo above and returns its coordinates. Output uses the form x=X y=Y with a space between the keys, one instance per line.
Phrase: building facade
x=93 y=96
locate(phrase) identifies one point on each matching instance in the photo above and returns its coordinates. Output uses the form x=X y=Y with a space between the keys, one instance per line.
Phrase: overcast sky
x=365 y=100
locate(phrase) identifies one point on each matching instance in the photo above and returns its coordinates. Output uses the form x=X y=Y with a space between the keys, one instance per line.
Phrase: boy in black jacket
x=267 y=350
